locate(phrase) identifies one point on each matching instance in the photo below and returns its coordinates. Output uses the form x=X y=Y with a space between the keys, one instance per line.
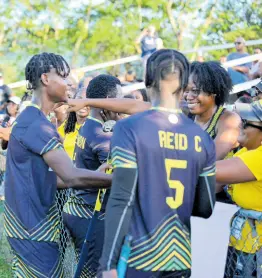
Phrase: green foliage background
x=95 y=31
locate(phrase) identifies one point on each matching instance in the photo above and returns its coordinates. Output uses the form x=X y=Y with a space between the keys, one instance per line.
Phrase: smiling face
x=250 y=136
x=198 y=101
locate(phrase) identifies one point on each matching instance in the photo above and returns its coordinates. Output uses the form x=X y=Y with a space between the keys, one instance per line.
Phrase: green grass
x=5 y=269
x=5 y=254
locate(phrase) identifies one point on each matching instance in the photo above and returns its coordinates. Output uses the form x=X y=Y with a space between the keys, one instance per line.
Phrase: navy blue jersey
x=30 y=208
x=91 y=150
x=170 y=152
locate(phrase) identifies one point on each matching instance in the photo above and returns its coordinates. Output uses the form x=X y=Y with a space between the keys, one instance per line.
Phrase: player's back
x=171 y=152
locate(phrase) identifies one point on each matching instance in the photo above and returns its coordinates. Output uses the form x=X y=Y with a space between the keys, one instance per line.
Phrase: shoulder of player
x=229 y=118
x=31 y=117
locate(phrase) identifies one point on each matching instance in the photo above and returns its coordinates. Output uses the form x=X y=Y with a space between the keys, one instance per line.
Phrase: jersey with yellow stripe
x=91 y=150
x=30 y=209
x=170 y=152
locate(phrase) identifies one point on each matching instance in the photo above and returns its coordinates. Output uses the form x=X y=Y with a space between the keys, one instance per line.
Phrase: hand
x=104 y=168
x=76 y=104
x=5 y=133
x=109 y=115
x=110 y=274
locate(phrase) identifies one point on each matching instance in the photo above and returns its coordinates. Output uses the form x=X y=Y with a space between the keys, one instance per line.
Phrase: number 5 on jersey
x=177 y=200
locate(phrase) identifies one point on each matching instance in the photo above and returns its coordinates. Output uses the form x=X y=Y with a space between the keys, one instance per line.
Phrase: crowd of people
x=137 y=166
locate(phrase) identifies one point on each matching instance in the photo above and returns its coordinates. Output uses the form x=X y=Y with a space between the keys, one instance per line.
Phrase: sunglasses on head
x=246 y=124
x=238 y=42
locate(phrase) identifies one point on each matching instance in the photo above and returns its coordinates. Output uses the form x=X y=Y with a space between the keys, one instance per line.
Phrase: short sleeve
x=123 y=152
x=210 y=165
x=41 y=137
x=253 y=160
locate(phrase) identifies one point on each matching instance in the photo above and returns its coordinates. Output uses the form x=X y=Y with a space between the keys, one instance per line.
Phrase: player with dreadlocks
x=36 y=160
x=163 y=173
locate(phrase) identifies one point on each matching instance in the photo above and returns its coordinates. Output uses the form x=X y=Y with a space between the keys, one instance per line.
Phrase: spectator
x=246 y=93
x=244 y=99
x=130 y=76
x=12 y=108
x=148 y=42
x=223 y=59
x=244 y=174
x=258 y=89
x=140 y=94
x=239 y=74
x=200 y=57
x=5 y=94
x=255 y=70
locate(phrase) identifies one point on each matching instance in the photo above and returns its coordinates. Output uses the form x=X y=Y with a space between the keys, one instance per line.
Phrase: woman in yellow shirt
x=244 y=173
x=69 y=129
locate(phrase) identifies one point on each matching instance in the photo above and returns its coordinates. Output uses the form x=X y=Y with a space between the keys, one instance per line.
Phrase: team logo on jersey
x=173 y=119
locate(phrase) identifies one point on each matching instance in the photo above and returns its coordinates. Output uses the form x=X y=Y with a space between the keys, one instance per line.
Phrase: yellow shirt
x=69 y=138
x=249 y=196
x=61 y=129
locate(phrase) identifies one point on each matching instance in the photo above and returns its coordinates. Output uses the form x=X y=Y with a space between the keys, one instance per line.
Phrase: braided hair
x=164 y=62
x=43 y=63
x=212 y=78
x=71 y=119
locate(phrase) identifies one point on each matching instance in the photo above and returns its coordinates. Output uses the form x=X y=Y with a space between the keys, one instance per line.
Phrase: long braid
x=70 y=123
x=71 y=120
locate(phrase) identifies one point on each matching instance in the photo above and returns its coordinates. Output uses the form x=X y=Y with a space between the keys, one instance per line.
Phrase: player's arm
x=205 y=196
x=124 y=105
x=42 y=138
x=227 y=134
x=232 y=171
x=121 y=200
x=61 y=164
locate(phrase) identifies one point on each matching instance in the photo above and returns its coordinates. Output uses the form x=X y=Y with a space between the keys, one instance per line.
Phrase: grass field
x=5 y=254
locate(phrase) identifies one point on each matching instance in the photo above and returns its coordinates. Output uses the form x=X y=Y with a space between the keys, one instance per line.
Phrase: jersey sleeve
x=252 y=160
x=123 y=152
x=210 y=165
x=41 y=137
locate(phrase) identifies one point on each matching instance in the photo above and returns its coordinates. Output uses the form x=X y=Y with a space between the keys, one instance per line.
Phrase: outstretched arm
x=70 y=176
x=123 y=105
x=231 y=171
